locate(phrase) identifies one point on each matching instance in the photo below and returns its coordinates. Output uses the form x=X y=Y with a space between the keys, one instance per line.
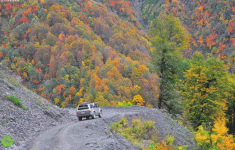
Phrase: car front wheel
x=100 y=115
x=93 y=116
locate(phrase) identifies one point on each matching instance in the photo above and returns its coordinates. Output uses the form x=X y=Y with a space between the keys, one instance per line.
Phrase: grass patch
x=181 y=130
x=3 y=125
x=40 y=102
x=47 y=106
x=181 y=123
x=16 y=101
x=10 y=86
x=15 y=82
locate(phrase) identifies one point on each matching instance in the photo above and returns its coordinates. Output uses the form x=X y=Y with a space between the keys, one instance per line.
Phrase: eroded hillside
x=24 y=124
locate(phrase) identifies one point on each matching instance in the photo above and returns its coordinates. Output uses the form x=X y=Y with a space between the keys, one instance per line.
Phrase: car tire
x=100 y=115
x=87 y=117
x=93 y=116
x=80 y=118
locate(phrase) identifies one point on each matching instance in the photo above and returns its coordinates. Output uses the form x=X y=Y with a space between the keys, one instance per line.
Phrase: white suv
x=88 y=110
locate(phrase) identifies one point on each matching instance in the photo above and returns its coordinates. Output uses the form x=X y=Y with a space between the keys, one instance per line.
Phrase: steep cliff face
x=24 y=124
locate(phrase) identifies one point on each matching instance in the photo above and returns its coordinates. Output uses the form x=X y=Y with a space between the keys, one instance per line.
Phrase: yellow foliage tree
x=106 y=89
x=81 y=100
x=82 y=82
x=138 y=100
x=218 y=139
x=56 y=101
x=62 y=105
x=205 y=89
x=102 y=101
x=72 y=90
x=66 y=77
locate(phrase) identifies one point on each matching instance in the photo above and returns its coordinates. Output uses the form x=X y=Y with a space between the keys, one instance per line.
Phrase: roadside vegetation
x=143 y=134
x=15 y=101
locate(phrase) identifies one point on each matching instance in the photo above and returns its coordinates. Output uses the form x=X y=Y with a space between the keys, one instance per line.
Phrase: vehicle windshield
x=81 y=107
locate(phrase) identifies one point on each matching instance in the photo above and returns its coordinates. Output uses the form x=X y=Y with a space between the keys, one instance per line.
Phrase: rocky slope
x=23 y=125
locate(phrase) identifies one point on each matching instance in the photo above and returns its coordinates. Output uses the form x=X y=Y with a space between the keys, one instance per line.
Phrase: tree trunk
x=162 y=67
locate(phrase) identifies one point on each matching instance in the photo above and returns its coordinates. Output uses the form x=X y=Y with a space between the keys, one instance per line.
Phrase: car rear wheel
x=100 y=115
x=87 y=117
x=80 y=118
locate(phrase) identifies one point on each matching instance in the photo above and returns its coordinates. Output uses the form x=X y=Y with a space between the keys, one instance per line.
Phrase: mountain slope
x=75 y=51
x=210 y=24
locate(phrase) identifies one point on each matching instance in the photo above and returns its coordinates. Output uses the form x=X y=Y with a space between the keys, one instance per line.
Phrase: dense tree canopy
x=169 y=39
x=205 y=90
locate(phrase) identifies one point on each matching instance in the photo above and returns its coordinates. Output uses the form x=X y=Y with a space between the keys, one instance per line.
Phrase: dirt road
x=83 y=135
x=95 y=134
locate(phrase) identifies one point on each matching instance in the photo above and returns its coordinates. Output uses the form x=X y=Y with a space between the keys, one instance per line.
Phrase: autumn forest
x=177 y=55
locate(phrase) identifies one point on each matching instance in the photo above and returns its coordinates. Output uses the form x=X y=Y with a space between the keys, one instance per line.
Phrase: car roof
x=85 y=103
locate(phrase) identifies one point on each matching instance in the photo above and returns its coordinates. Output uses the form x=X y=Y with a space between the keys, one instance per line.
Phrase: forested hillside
x=71 y=51
x=210 y=24
x=172 y=54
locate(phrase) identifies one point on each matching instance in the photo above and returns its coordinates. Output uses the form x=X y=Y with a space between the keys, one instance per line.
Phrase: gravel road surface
x=95 y=133
x=84 y=135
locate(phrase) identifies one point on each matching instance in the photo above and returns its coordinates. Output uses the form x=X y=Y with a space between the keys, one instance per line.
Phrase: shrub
x=15 y=82
x=169 y=140
x=216 y=139
x=137 y=131
x=16 y=101
x=124 y=104
x=140 y=130
x=138 y=100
